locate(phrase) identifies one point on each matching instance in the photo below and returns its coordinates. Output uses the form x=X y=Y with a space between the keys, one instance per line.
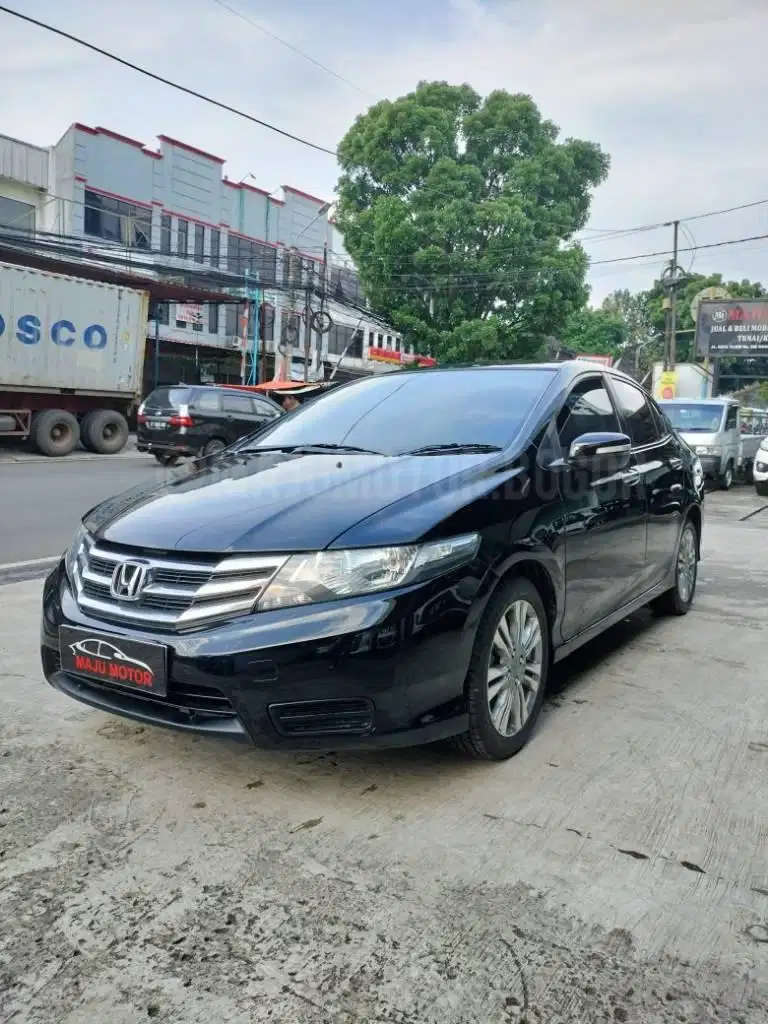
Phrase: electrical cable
x=167 y=81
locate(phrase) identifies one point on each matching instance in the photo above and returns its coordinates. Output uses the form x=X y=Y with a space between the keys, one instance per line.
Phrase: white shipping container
x=66 y=333
x=693 y=381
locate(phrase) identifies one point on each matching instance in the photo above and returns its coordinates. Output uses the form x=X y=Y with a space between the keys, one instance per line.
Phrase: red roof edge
x=305 y=195
x=191 y=149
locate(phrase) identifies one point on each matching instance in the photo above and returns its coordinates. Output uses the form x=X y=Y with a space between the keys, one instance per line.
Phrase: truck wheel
x=726 y=477
x=55 y=432
x=104 y=431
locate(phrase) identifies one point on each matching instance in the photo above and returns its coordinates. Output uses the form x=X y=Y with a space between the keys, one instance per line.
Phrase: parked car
x=399 y=562
x=200 y=419
x=760 y=471
x=713 y=428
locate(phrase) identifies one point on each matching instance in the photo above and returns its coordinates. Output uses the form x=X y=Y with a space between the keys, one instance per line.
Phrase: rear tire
x=55 y=433
x=214 y=447
x=678 y=600
x=508 y=673
x=726 y=478
x=104 y=431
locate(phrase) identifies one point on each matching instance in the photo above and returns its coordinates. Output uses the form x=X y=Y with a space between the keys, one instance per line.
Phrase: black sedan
x=399 y=563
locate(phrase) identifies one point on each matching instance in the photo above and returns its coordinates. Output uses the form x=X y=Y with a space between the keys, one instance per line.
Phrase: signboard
x=738 y=327
x=668 y=384
x=189 y=312
x=714 y=293
x=389 y=355
x=604 y=360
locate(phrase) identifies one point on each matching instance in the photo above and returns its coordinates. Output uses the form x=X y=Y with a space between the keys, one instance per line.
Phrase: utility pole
x=308 y=324
x=671 y=279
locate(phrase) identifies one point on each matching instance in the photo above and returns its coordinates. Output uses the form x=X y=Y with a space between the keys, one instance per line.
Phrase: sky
x=674 y=92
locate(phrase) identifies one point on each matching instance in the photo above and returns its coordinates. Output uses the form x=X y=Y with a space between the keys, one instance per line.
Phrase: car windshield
x=167 y=398
x=694 y=418
x=396 y=413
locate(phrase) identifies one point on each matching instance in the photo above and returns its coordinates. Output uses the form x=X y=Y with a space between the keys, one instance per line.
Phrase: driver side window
x=587 y=410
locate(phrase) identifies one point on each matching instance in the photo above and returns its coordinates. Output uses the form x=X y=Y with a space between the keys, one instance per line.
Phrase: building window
x=181 y=324
x=259 y=260
x=234 y=314
x=16 y=215
x=341 y=337
x=160 y=312
x=182 y=238
x=215 y=246
x=165 y=234
x=266 y=322
x=213 y=318
x=117 y=221
x=199 y=243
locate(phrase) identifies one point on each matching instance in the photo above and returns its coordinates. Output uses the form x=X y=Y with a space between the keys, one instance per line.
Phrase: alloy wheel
x=515 y=668
x=686 y=564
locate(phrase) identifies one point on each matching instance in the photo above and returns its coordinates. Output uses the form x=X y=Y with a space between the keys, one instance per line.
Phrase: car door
x=264 y=412
x=604 y=516
x=657 y=457
x=239 y=415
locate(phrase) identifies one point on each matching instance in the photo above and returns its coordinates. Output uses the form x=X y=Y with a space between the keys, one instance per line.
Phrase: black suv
x=199 y=419
x=400 y=562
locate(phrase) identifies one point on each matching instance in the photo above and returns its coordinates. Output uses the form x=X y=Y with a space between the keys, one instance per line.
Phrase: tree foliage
x=455 y=210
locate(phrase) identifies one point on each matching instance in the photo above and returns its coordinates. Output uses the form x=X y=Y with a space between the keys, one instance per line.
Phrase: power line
x=294 y=49
x=167 y=81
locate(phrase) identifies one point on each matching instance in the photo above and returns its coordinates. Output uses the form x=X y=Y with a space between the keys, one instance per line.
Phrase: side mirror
x=602 y=452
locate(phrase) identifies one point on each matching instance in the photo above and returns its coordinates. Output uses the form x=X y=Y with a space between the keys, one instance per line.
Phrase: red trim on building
x=253 y=188
x=191 y=219
x=123 y=199
x=118 y=138
x=305 y=195
x=157 y=202
x=250 y=238
x=84 y=128
x=153 y=154
x=79 y=177
x=191 y=149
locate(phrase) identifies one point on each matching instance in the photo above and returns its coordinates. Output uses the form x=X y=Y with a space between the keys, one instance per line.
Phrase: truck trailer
x=71 y=360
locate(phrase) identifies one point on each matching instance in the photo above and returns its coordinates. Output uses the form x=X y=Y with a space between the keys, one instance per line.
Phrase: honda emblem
x=128 y=581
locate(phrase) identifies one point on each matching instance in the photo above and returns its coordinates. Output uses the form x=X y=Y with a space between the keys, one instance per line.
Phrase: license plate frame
x=157 y=424
x=138 y=666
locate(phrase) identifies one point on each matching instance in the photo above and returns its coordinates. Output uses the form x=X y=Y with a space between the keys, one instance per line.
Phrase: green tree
x=594 y=332
x=455 y=210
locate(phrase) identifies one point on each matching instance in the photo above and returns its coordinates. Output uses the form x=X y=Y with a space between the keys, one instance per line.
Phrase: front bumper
x=369 y=672
x=760 y=471
x=711 y=465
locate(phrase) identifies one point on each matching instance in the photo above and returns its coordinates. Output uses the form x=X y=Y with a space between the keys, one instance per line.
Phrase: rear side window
x=167 y=398
x=588 y=410
x=640 y=419
x=239 y=404
x=206 y=401
x=264 y=410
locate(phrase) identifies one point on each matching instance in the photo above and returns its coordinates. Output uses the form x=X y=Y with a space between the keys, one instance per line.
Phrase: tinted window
x=239 y=404
x=167 y=398
x=639 y=417
x=207 y=401
x=397 y=412
x=588 y=410
x=263 y=409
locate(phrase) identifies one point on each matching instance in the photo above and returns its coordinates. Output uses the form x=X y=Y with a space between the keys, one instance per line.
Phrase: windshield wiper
x=466 y=448
x=309 y=449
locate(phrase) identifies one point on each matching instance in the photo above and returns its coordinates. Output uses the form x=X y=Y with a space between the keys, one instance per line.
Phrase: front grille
x=179 y=593
x=350 y=717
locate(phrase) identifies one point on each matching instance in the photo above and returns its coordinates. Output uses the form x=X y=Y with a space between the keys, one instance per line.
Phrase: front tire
x=726 y=477
x=508 y=673
x=679 y=599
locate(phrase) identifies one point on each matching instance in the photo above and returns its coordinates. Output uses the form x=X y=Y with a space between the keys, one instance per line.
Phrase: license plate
x=115 y=660
x=157 y=424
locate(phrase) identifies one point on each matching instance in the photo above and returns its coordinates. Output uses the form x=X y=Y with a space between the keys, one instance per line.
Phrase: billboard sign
x=737 y=327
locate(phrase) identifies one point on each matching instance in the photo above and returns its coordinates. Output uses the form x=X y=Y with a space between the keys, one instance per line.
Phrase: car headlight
x=329 y=575
x=77 y=547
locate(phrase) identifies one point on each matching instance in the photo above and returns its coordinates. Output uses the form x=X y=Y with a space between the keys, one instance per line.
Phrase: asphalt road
x=615 y=871
x=42 y=500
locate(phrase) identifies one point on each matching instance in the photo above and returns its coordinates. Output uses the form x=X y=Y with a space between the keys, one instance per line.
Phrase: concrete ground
x=616 y=870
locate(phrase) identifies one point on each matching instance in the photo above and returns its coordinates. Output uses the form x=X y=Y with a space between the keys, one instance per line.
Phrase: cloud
x=673 y=92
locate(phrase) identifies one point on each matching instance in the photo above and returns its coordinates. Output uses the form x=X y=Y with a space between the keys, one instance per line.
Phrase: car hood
x=271 y=502
x=694 y=439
